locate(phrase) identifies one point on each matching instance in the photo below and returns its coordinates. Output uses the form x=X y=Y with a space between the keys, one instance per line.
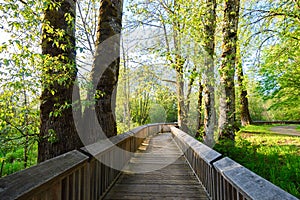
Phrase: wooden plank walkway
x=158 y=170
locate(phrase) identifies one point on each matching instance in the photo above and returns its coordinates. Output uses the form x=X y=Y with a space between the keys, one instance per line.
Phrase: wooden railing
x=89 y=173
x=223 y=178
x=83 y=175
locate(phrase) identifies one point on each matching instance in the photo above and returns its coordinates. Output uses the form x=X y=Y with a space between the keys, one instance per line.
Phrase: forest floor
x=286 y=130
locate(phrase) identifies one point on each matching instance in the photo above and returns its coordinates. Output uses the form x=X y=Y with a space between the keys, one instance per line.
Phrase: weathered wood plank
x=158 y=171
x=251 y=185
x=40 y=177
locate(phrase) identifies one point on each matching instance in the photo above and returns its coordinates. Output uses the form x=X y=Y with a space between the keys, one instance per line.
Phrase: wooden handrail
x=89 y=173
x=86 y=174
x=224 y=178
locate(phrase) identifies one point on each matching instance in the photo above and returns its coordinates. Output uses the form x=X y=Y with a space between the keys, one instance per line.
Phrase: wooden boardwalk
x=158 y=170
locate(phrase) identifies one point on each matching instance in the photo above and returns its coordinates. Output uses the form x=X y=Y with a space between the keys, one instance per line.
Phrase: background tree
x=164 y=18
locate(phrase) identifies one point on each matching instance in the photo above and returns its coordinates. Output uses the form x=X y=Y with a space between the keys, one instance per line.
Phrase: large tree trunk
x=227 y=125
x=58 y=133
x=105 y=72
x=209 y=89
x=245 y=114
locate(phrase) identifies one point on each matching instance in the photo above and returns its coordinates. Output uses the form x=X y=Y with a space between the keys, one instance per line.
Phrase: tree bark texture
x=209 y=74
x=245 y=113
x=58 y=133
x=227 y=125
x=182 y=112
x=105 y=70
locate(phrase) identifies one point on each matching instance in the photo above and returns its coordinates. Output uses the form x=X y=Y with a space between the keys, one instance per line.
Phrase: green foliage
x=13 y=160
x=157 y=114
x=274 y=31
x=167 y=100
x=148 y=98
x=274 y=157
x=21 y=69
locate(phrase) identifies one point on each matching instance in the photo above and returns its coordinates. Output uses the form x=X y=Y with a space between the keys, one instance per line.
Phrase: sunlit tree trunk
x=227 y=125
x=126 y=104
x=181 y=106
x=209 y=88
x=179 y=66
x=58 y=133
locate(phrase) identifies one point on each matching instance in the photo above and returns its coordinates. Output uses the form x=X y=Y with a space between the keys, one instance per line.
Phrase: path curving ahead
x=286 y=130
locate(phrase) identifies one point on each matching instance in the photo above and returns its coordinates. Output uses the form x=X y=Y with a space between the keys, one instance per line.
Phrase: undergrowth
x=274 y=157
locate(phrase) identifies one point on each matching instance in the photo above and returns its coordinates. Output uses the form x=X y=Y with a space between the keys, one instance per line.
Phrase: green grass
x=274 y=157
x=265 y=129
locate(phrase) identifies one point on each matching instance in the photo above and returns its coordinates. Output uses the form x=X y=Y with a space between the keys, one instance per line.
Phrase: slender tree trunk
x=182 y=112
x=189 y=91
x=178 y=61
x=209 y=74
x=58 y=133
x=126 y=89
x=227 y=125
x=179 y=64
x=1 y=168
x=245 y=114
x=26 y=124
x=128 y=102
x=199 y=121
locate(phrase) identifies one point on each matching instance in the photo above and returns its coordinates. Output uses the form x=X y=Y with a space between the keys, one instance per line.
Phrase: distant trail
x=286 y=130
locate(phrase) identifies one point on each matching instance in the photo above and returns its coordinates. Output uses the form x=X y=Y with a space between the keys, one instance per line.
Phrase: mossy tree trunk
x=58 y=133
x=244 y=107
x=199 y=110
x=105 y=70
x=227 y=125
x=181 y=105
x=209 y=75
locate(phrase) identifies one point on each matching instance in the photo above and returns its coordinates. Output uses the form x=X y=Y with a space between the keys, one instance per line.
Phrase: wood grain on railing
x=223 y=178
x=200 y=158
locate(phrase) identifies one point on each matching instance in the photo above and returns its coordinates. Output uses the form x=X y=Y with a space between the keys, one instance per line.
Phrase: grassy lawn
x=274 y=157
